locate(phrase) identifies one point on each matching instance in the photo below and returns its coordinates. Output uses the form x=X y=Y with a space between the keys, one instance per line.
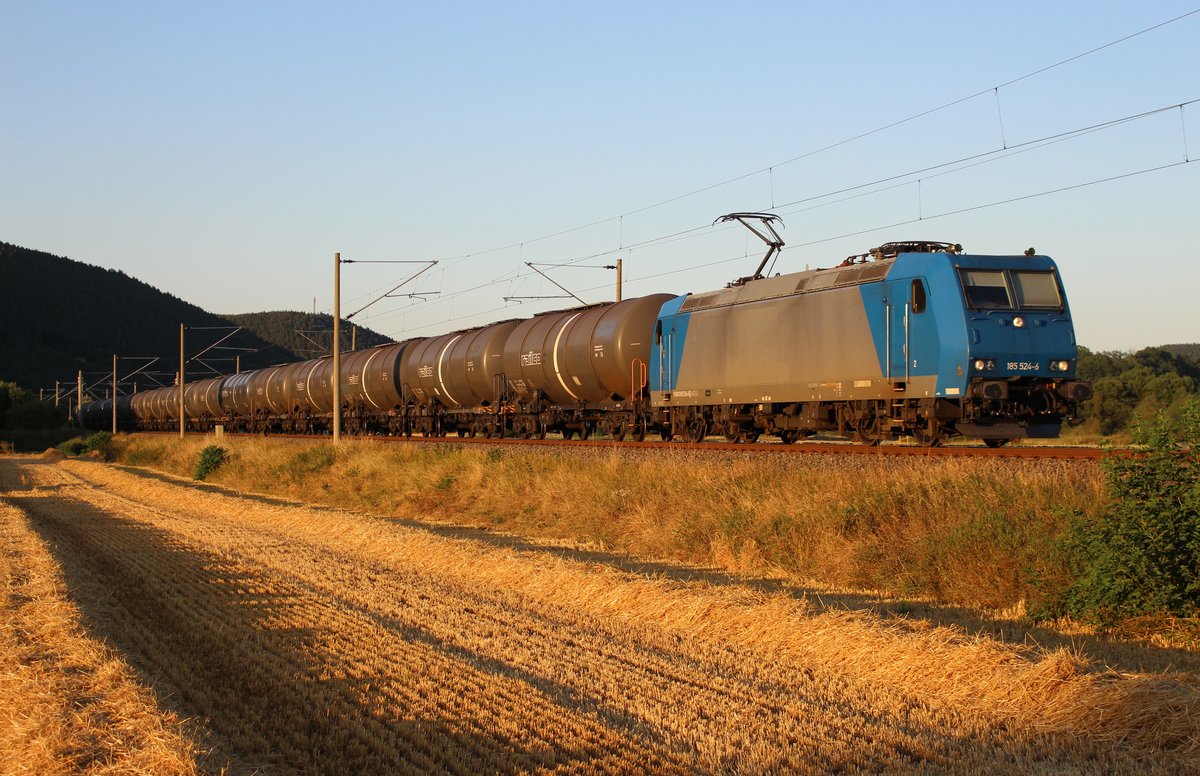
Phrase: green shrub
x=1142 y=556
x=72 y=447
x=210 y=458
x=101 y=442
x=310 y=461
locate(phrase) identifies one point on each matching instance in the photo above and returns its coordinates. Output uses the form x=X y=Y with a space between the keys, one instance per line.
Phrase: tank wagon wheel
x=994 y=443
x=540 y=431
x=567 y=434
x=638 y=432
x=789 y=436
x=618 y=432
x=585 y=431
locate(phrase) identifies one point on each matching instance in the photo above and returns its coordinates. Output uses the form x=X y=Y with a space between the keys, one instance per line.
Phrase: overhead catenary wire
x=856 y=233
x=867 y=188
x=837 y=144
x=705 y=231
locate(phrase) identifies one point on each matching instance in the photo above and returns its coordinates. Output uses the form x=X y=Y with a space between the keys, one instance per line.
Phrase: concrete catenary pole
x=114 y=395
x=337 y=348
x=182 y=420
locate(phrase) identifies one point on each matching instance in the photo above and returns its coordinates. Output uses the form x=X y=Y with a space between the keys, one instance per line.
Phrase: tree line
x=1128 y=386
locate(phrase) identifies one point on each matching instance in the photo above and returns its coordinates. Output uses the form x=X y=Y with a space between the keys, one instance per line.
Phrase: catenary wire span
x=705 y=230
x=824 y=199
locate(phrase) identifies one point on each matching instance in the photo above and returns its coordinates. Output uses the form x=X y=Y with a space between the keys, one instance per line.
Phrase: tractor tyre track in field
x=304 y=638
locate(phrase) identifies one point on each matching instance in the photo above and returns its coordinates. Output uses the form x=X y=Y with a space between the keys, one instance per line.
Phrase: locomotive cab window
x=1037 y=290
x=986 y=289
x=996 y=289
x=918 y=296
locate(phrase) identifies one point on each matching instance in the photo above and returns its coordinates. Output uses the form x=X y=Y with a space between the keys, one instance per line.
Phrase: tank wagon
x=910 y=339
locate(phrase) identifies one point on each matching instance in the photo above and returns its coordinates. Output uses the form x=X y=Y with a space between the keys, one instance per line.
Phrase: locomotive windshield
x=995 y=289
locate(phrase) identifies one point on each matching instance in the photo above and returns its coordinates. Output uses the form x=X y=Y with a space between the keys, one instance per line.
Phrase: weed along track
x=302 y=638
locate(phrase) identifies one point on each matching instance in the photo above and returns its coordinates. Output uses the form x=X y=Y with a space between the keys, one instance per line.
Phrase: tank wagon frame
x=912 y=339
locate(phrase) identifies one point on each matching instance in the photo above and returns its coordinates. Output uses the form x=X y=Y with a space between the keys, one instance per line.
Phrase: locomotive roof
x=791 y=284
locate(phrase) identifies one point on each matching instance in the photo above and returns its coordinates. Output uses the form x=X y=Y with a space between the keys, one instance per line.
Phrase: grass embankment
x=983 y=533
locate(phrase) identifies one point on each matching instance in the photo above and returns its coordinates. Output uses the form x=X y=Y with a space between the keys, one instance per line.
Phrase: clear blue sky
x=223 y=151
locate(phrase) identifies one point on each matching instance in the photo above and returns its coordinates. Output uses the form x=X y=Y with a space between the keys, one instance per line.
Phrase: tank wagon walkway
x=302 y=638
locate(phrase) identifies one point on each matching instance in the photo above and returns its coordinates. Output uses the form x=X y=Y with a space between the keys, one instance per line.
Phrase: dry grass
x=68 y=703
x=318 y=639
x=957 y=530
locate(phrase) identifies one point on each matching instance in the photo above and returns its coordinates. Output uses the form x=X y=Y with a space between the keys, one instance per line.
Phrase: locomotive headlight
x=980 y=365
x=1018 y=322
x=1060 y=366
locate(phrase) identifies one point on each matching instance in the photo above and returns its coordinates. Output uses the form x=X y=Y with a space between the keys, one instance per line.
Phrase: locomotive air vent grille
x=875 y=271
x=692 y=302
x=824 y=280
x=846 y=277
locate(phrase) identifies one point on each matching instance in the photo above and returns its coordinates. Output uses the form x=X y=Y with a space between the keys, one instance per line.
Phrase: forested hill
x=307 y=335
x=1189 y=351
x=58 y=316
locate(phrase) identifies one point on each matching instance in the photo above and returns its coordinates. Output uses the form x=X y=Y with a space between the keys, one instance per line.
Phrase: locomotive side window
x=1037 y=290
x=986 y=289
x=918 y=296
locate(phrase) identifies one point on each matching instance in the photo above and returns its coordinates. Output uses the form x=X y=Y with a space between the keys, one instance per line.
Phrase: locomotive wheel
x=865 y=432
x=695 y=430
x=929 y=435
x=994 y=443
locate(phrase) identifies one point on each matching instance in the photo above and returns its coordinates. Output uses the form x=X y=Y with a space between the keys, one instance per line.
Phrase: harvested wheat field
x=156 y=625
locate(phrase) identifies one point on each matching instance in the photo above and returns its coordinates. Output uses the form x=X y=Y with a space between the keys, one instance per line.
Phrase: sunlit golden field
x=481 y=611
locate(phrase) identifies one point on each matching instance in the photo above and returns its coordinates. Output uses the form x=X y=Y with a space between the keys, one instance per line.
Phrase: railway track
x=801 y=448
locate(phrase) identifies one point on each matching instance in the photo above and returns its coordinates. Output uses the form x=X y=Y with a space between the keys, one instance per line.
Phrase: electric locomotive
x=911 y=339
